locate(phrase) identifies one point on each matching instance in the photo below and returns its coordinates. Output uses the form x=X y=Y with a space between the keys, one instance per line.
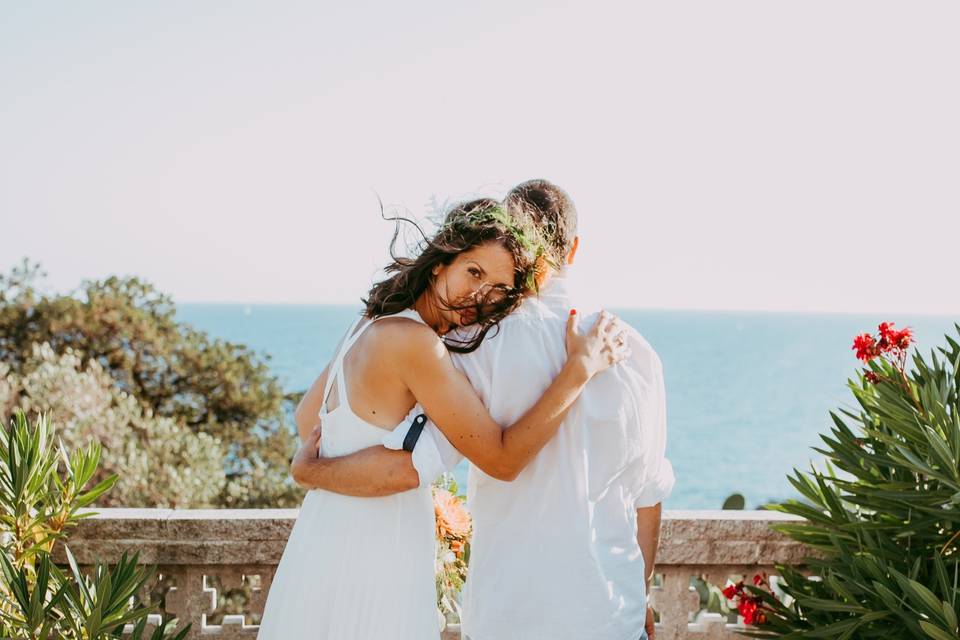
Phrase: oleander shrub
x=884 y=515
x=44 y=491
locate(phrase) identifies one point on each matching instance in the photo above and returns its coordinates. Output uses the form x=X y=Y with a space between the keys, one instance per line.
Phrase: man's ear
x=571 y=256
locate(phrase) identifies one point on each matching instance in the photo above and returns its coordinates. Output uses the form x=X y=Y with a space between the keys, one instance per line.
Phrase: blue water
x=747 y=393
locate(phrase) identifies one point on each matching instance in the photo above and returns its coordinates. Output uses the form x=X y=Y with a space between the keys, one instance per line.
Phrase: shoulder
x=405 y=338
x=643 y=355
x=532 y=315
x=532 y=322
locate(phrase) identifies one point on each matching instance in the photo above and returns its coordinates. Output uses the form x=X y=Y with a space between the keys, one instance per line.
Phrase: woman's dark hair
x=465 y=227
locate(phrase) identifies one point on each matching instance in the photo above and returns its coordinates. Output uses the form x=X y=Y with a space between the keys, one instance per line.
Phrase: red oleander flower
x=866 y=347
x=903 y=338
x=757 y=580
x=886 y=329
x=729 y=592
x=871 y=377
x=747 y=609
x=892 y=339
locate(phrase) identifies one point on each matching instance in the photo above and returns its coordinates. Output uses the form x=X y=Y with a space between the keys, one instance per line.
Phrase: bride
x=363 y=568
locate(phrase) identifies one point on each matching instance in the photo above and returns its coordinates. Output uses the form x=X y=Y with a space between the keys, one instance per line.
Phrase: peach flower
x=453 y=521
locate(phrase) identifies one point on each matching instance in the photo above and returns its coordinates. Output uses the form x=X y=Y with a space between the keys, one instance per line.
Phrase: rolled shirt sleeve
x=433 y=455
x=651 y=474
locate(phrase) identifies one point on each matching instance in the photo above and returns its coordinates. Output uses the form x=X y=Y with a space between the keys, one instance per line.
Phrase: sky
x=740 y=155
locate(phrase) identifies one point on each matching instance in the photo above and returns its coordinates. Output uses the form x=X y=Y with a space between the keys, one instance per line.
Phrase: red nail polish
x=573 y=312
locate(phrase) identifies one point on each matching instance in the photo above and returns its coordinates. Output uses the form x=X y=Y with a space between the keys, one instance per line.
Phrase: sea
x=748 y=393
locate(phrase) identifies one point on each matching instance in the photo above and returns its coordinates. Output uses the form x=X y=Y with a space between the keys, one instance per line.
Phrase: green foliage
x=42 y=488
x=123 y=330
x=735 y=502
x=884 y=514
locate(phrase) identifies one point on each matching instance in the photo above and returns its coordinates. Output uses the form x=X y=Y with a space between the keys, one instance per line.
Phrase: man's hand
x=308 y=452
x=649 y=625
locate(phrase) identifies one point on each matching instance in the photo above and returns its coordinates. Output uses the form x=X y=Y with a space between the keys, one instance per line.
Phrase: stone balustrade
x=215 y=566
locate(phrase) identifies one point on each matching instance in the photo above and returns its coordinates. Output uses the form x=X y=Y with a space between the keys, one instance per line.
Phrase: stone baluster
x=241 y=548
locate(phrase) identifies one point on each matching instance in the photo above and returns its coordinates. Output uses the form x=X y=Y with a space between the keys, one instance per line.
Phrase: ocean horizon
x=748 y=392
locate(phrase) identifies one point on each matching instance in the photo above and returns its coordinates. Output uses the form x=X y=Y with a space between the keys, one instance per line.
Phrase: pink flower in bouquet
x=453 y=521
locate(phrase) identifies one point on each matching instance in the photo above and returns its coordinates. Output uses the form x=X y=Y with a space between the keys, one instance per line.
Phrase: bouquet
x=454 y=528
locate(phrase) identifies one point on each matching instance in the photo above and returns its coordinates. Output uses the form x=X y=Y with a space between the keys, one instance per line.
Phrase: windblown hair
x=465 y=227
x=550 y=209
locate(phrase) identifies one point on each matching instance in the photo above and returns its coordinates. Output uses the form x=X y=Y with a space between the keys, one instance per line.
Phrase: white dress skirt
x=355 y=568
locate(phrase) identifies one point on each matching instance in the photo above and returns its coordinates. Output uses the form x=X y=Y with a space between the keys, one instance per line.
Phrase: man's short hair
x=551 y=209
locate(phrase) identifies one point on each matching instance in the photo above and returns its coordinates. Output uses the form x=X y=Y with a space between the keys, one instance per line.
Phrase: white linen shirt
x=554 y=553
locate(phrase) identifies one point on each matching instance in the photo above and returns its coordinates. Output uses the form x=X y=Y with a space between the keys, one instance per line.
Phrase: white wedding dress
x=355 y=568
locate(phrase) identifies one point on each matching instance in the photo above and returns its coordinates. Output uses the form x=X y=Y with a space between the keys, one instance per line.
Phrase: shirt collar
x=556 y=292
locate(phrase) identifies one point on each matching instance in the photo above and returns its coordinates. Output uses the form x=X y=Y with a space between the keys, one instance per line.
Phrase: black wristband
x=410 y=440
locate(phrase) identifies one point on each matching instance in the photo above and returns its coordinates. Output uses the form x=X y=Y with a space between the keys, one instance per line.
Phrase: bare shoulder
x=406 y=338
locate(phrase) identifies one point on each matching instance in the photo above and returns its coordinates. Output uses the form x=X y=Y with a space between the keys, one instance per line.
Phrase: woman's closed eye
x=474 y=272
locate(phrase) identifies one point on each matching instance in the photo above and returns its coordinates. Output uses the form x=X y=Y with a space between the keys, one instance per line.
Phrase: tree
x=126 y=329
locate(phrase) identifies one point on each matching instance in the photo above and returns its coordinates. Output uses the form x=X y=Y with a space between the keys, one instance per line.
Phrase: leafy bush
x=42 y=489
x=185 y=419
x=885 y=515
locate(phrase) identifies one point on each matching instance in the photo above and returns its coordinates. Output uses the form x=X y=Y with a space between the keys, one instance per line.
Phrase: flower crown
x=524 y=233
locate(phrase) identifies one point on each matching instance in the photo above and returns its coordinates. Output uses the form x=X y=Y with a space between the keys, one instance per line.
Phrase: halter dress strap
x=337 y=364
x=336 y=368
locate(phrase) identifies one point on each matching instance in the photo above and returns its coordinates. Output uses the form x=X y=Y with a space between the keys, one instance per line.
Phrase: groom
x=566 y=551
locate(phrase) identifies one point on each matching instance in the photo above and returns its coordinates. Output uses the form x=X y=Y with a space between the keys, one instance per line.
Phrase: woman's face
x=473 y=275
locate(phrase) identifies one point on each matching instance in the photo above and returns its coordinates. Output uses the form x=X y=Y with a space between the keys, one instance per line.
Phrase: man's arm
x=307 y=413
x=648 y=537
x=368 y=473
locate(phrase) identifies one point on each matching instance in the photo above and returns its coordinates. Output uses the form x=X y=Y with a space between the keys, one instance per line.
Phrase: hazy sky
x=723 y=154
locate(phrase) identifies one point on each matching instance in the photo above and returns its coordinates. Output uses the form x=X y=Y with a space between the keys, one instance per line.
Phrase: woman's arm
x=453 y=405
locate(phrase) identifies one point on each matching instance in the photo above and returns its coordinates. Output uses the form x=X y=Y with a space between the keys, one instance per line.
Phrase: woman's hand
x=599 y=348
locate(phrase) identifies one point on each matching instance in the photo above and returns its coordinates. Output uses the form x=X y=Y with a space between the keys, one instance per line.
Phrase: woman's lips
x=467 y=316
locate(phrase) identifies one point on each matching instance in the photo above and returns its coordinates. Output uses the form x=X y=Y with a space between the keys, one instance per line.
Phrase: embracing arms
x=371 y=472
x=454 y=406
x=368 y=473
